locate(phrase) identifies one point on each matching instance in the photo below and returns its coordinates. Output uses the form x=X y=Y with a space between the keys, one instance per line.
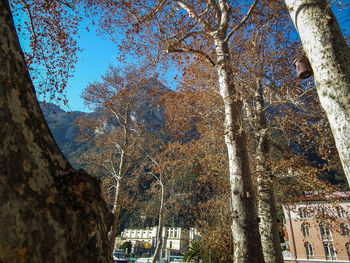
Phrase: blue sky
x=98 y=53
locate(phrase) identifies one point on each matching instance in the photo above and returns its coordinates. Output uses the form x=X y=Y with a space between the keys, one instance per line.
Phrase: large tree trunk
x=246 y=238
x=160 y=225
x=268 y=228
x=329 y=57
x=48 y=211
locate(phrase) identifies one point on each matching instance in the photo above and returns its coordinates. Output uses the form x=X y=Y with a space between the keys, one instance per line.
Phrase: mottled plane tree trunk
x=244 y=216
x=48 y=211
x=267 y=213
x=329 y=56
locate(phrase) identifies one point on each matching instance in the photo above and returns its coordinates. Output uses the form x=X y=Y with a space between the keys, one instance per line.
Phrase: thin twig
x=244 y=19
x=193 y=51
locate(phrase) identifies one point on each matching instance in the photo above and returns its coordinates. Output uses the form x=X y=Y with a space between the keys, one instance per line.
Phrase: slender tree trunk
x=268 y=228
x=119 y=190
x=160 y=225
x=246 y=238
x=48 y=211
x=329 y=56
x=122 y=170
x=116 y=212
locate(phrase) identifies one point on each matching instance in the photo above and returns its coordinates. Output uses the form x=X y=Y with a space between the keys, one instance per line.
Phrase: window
x=303 y=213
x=321 y=212
x=309 y=248
x=347 y=246
x=341 y=211
x=325 y=231
x=171 y=244
x=305 y=228
x=175 y=233
x=345 y=230
x=167 y=233
x=329 y=251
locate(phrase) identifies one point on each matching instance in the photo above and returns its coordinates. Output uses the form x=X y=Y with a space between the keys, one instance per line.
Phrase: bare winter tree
x=120 y=100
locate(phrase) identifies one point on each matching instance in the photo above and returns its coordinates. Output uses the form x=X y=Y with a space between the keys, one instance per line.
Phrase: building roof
x=320 y=196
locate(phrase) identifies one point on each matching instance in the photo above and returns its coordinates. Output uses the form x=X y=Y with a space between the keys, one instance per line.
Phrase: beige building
x=317 y=230
x=175 y=239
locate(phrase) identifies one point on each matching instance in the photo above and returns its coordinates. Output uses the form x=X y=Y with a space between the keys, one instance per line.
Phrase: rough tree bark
x=329 y=56
x=48 y=211
x=267 y=213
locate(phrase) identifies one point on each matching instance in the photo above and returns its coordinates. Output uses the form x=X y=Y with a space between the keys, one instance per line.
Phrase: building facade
x=175 y=239
x=318 y=230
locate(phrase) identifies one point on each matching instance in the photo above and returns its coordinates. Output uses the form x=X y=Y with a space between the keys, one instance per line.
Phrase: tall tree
x=267 y=211
x=329 y=56
x=48 y=211
x=122 y=101
x=259 y=63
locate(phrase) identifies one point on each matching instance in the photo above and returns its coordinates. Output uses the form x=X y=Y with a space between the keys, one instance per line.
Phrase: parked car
x=118 y=256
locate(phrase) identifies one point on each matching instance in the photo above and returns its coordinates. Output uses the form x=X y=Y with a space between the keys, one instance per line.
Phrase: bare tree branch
x=154 y=11
x=244 y=19
x=193 y=51
x=192 y=14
